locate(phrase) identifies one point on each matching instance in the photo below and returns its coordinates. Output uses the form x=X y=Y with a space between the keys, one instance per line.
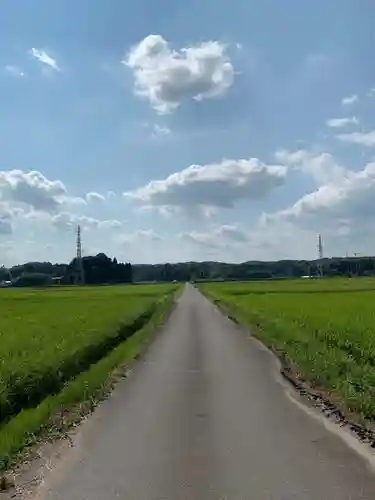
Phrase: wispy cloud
x=342 y=122
x=322 y=167
x=14 y=71
x=44 y=58
x=160 y=130
x=362 y=138
x=93 y=197
x=349 y=100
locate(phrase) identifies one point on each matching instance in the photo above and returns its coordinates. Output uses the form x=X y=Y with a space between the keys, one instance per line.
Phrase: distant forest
x=101 y=269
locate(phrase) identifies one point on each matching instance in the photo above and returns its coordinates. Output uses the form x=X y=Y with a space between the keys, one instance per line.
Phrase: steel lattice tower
x=80 y=272
x=320 y=247
x=320 y=254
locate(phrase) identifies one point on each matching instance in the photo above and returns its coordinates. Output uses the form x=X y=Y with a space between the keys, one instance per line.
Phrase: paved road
x=205 y=416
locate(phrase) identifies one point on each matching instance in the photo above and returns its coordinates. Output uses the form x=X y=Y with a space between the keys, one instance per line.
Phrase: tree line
x=101 y=269
x=252 y=270
x=98 y=269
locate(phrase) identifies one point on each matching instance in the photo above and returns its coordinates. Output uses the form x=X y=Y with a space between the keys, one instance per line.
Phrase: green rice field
x=324 y=328
x=49 y=336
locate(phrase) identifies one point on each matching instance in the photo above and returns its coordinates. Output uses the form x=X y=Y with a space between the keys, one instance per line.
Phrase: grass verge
x=79 y=396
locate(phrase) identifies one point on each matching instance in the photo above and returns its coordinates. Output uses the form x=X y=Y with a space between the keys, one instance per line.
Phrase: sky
x=186 y=130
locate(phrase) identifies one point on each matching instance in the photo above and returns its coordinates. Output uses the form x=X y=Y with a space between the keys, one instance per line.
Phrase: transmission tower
x=357 y=264
x=320 y=255
x=80 y=277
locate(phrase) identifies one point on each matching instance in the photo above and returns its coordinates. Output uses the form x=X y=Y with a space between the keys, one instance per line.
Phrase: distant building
x=57 y=280
x=5 y=284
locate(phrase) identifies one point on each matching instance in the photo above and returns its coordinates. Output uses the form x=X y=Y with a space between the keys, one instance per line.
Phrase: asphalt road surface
x=204 y=415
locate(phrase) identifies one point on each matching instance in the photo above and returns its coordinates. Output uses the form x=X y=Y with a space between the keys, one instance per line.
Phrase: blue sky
x=273 y=103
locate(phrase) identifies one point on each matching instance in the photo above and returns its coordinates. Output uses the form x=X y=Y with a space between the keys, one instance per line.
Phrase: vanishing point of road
x=204 y=415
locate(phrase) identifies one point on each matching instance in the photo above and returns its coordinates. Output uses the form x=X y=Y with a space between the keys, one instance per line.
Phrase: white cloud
x=109 y=224
x=233 y=233
x=9 y=213
x=94 y=197
x=342 y=122
x=348 y=203
x=148 y=233
x=349 y=100
x=322 y=167
x=14 y=71
x=29 y=201
x=73 y=200
x=205 y=239
x=67 y=221
x=218 y=185
x=145 y=234
x=361 y=138
x=5 y=221
x=44 y=58
x=166 y=77
x=218 y=237
x=233 y=243
x=32 y=189
x=160 y=131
